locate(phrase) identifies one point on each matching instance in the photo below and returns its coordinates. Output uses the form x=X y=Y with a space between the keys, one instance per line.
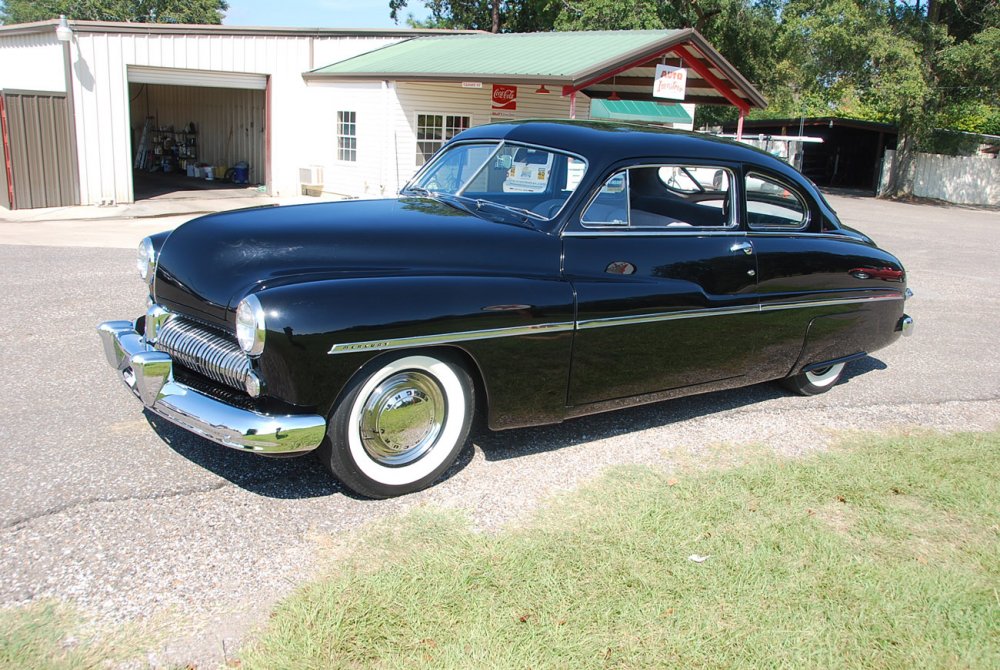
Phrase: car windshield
x=501 y=179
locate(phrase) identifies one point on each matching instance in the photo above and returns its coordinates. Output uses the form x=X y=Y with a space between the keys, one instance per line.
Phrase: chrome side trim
x=831 y=302
x=149 y=373
x=669 y=316
x=654 y=232
x=724 y=311
x=470 y=335
x=449 y=338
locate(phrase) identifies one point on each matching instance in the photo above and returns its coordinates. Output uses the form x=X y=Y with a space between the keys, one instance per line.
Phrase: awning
x=598 y=64
x=638 y=110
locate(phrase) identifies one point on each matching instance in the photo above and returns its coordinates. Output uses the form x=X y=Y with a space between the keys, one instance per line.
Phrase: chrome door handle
x=745 y=247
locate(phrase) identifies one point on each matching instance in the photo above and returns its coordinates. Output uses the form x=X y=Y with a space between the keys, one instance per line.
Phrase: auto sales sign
x=504 y=97
x=670 y=82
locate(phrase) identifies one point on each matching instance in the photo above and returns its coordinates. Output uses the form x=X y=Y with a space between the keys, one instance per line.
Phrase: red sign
x=504 y=97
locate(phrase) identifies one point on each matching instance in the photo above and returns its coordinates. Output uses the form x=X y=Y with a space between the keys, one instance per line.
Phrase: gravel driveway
x=129 y=518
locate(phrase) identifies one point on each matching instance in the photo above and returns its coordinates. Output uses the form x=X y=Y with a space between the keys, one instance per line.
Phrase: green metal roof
x=574 y=60
x=638 y=110
x=556 y=55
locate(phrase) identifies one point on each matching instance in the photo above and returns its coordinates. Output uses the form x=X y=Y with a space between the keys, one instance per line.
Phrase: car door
x=665 y=282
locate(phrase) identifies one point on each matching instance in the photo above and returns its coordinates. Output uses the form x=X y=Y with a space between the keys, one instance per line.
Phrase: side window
x=772 y=205
x=347 y=136
x=610 y=207
x=665 y=196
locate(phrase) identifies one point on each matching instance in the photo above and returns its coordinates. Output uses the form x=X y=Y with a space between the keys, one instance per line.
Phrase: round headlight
x=145 y=258
x=250 y=325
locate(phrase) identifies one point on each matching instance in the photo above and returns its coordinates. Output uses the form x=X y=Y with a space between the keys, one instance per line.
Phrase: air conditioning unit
x=311 y=180
x=312 y=175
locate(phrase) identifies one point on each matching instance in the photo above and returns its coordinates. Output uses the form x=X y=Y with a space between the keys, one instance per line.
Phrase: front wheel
x=400 y=425
x=814 y=382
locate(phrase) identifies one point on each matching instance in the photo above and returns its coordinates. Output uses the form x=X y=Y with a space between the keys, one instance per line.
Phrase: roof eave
x=548 y=80
x=219 y=29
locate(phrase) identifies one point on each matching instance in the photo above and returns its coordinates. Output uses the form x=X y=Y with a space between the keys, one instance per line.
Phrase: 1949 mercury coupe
x=531 y=272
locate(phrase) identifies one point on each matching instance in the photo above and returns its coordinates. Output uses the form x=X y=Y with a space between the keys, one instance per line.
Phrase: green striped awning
x=638 y=110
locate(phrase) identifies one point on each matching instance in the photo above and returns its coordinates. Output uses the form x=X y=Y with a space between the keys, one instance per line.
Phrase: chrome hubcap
x=402 y=418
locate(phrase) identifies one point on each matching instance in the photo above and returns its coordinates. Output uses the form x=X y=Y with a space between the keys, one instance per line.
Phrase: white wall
x=963 y=180
x=100 y=62
x=32 y=62
x=387 y=116
x=376 y=109
x=443 y=98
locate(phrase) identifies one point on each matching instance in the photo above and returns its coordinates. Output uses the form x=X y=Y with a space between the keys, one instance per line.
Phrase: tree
x=510 y=16
x=133 y=11
x=921 y=64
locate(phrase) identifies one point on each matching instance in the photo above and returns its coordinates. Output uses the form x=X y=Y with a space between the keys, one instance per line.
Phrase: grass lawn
x=881 y=554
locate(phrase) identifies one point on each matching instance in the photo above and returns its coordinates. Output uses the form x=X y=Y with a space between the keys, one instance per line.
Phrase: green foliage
x=516 y=16
x=142 y=11
x=914 y=64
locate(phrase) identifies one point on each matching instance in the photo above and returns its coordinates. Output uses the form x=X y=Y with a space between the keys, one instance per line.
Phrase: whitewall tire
x=400 y=424
x=815 y=381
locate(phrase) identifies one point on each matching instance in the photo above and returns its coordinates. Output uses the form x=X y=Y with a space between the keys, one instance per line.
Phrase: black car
x=530 y=272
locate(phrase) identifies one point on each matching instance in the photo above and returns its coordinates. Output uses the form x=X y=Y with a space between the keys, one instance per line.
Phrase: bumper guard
x=149 y=373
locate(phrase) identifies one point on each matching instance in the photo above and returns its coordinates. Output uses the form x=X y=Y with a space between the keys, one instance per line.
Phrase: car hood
x=206 y=266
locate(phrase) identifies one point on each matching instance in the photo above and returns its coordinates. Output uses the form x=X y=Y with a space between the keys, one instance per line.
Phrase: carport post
x=739 y=125
x=572 y=105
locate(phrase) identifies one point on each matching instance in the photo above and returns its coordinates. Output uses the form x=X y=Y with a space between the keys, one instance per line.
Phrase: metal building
x=90 y=109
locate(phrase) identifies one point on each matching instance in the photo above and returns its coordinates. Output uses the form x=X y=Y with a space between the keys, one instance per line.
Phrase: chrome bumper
x=149 y=373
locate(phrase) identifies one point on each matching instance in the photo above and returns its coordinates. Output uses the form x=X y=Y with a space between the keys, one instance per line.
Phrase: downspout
x=71 y=117
x=572 y=105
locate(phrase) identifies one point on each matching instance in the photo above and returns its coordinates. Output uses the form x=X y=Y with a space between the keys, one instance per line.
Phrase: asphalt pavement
x=131 y=519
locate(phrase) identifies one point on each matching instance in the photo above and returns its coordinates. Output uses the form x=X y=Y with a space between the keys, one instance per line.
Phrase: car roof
x=604 y=142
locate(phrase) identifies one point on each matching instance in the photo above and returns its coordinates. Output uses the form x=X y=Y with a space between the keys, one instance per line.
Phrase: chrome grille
x=198 y=348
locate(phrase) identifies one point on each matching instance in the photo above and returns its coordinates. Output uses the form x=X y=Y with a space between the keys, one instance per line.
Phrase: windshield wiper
x=527 y=213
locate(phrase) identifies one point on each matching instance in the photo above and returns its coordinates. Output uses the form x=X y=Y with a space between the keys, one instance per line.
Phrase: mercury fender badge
x=620 y=268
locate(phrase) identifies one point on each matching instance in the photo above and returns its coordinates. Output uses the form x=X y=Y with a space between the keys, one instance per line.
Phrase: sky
x=318 y=13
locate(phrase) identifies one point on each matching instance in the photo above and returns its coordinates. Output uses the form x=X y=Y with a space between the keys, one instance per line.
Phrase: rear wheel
x=814 y=382
x=401 y=423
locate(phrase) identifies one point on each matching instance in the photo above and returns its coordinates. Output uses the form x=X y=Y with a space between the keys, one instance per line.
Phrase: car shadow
x=519 y=442
x=304 y=476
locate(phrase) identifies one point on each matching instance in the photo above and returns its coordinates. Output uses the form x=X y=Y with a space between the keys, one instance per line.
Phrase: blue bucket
x=241 y=173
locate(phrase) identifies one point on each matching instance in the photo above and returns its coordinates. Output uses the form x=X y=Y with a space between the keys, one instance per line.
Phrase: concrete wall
x=963 y=180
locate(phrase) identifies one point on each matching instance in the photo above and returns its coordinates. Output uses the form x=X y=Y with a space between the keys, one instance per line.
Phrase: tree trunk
x=496 y=17
x=904 y=167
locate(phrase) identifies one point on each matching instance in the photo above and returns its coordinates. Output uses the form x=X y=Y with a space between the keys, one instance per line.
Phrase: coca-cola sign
x=504 y=97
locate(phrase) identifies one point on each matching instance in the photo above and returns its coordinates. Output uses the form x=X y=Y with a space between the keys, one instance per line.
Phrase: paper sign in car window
x=530 y=175
x=574 y=173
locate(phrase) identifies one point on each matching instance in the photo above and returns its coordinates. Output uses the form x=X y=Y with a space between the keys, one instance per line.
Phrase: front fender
x=517 y=330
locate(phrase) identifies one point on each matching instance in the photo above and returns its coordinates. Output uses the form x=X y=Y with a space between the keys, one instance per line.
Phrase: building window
x=347 y=136
x=433 y=130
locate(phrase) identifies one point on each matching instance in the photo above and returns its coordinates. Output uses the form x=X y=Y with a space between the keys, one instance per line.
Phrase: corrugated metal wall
x=230 y=122
x=41 y=155
x=32 y=62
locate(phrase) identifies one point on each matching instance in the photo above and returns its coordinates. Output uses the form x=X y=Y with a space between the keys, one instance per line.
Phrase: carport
x=612 y=65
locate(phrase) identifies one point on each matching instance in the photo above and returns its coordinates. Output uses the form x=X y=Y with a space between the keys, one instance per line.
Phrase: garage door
x=140 y=74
